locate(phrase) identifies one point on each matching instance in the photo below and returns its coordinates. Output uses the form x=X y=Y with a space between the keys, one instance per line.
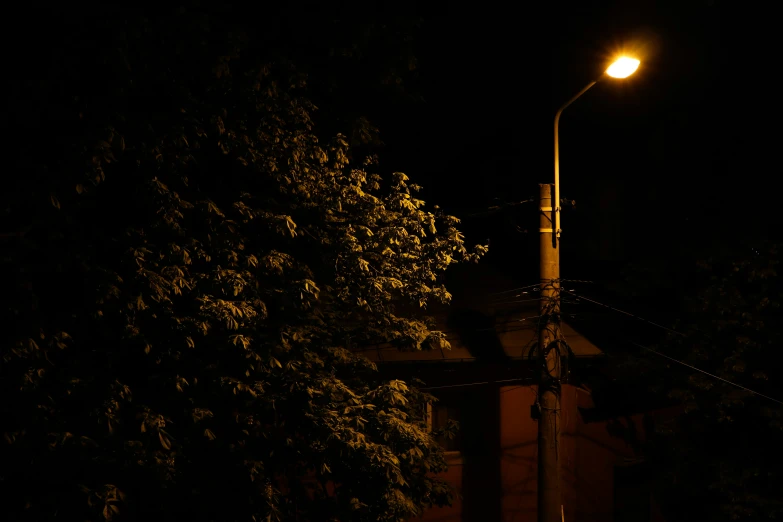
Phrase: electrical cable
x=498 y=208
x=536 y=285
x=447 y=332
x=472 y=384
x=677 y=360
x=512 y=388
x=579 y=297
x=516 y=301
x=706 y=373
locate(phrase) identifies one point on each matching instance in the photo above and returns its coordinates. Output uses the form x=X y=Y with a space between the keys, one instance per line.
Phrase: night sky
x=672 y=164
x=679 y=156
x=658 y=164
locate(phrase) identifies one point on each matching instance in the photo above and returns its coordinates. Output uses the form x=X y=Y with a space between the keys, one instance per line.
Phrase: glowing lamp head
x=623 y=67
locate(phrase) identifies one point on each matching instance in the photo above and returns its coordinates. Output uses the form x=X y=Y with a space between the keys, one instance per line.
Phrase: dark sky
x=653 y=162
x=679 y=156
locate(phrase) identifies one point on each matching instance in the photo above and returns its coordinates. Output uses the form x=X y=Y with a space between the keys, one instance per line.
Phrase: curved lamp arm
x=557 y=154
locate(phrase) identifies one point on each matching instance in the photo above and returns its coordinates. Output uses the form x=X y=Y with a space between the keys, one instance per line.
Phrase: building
x=486 y=382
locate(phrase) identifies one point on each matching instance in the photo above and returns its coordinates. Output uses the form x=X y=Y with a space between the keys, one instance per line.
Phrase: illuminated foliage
x=186 y=311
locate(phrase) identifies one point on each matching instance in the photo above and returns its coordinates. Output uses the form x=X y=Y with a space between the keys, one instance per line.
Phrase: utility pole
x=549 y=494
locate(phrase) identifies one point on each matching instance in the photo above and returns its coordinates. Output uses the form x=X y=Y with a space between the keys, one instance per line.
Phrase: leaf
x=208 y=433
x=290 y=225
x=55 y=201
x=87 y=440
x=164 y=441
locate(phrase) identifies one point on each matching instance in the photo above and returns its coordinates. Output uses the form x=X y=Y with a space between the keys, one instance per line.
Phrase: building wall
x=492 y=331
x=591 y=452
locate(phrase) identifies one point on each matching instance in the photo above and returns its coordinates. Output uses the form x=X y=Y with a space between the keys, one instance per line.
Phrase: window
x=632 y=492
x=438 y=416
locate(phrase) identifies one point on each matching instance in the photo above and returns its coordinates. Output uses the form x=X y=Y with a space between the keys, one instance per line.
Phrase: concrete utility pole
x=549 y=494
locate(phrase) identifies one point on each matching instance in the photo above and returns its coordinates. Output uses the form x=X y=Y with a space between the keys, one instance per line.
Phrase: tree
x=713 y=455
x=721 y=454
x=188 y=269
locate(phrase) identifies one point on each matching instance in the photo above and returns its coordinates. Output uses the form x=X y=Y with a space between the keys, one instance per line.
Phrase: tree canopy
x=710 y=441
x=188 y=267
x=719 y=460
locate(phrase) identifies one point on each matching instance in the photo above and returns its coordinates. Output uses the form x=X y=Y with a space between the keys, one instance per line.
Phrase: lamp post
x=550 y=501
x=623 y=67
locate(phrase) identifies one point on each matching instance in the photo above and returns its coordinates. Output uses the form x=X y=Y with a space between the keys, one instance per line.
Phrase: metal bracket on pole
x=549 y=230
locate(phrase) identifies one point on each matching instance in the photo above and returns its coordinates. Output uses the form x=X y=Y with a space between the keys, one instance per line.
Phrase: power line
x=390 y=348
x=537 y=286
x=498 y=208
x=579 y=297
x=672 y=358
x=471 y=384
x=512 y=388
x=706 y=373
x=492 y=328
x=516 y=301
x=638 y=346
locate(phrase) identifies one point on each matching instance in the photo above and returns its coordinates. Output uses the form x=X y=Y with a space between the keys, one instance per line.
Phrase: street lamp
x=550 y=500
x=623 y=67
